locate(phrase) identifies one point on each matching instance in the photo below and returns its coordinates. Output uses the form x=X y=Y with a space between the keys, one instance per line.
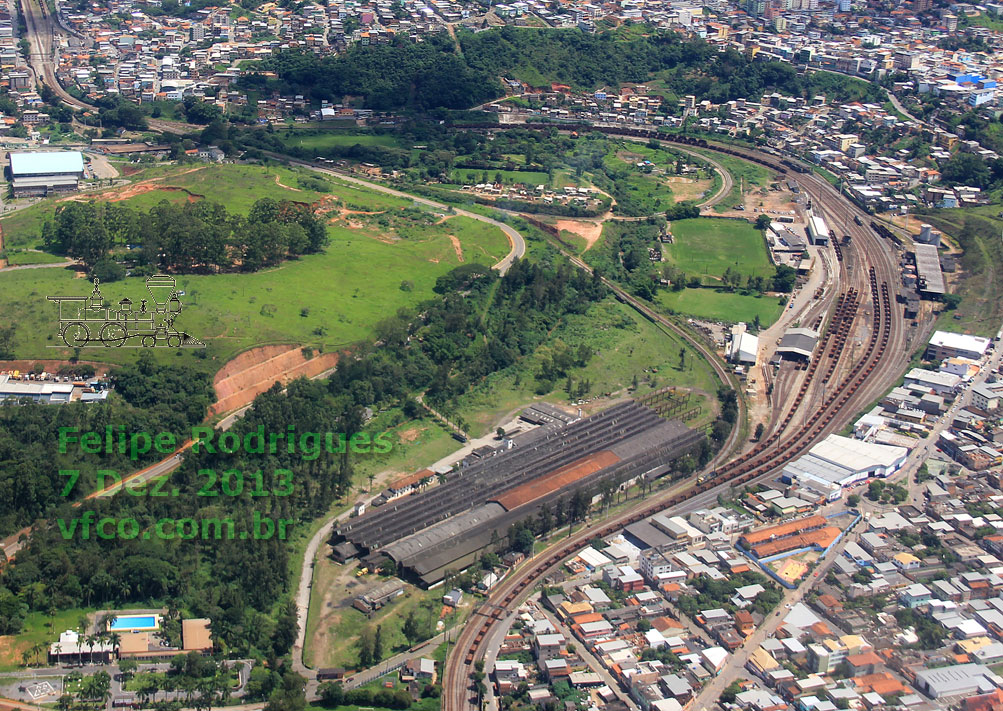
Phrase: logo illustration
x=89 y=322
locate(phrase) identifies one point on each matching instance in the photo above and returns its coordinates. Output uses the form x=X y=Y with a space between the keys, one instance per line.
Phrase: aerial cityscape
x=465 y=355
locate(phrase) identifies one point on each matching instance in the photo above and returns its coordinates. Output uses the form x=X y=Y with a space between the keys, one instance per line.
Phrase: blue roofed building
x=44 y=173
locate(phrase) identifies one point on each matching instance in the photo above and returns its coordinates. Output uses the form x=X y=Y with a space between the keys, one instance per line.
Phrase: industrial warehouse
x=39 y=174
x=837 y=462
x=447 y=526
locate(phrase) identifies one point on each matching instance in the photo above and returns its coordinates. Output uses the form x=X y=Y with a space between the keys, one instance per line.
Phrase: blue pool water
x=134 y=623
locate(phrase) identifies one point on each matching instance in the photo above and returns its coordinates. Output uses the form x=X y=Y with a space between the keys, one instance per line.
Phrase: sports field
x=705 y=247
x=327 y=300
x=720 y=305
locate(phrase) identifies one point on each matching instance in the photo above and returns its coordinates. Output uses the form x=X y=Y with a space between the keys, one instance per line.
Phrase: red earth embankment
x=252 y=372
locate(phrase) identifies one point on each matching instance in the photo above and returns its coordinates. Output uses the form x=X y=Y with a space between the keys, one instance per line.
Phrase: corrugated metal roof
x=46 y=162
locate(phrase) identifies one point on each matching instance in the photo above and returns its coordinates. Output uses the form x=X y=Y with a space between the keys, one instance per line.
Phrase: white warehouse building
x=838 y=461
x=818 y=231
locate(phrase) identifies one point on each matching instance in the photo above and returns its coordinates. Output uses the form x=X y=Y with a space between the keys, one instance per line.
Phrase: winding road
x=515 y=239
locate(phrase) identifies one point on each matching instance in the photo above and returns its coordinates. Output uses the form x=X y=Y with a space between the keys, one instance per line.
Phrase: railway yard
x=838 y=381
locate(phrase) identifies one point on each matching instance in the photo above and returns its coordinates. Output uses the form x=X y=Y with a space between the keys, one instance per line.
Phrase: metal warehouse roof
x=46 y=162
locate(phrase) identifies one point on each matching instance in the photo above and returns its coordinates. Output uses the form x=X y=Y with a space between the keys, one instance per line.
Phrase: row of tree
x=191 y=237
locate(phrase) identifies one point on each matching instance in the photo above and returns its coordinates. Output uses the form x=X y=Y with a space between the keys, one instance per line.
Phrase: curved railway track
x=785 y=443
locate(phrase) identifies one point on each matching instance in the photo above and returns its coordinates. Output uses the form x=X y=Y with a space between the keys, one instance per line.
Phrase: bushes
x=333 y=694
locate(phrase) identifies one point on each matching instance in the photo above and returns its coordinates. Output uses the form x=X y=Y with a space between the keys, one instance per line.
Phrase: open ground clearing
x=720 y=305
x=706 y=247
x=976 y=231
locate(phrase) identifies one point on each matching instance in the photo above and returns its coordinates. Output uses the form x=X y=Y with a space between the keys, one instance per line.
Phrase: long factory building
x=448 y=526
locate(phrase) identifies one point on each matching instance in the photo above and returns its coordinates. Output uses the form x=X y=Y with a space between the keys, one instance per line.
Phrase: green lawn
x=38 y=630
x=706 y=246
x=720 y=305
x=18 y=257
x=469 y=176
x=328 y=139
x=234 y=186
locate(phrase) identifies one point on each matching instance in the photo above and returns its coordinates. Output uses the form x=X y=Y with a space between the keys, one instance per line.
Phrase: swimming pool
x=132 y=623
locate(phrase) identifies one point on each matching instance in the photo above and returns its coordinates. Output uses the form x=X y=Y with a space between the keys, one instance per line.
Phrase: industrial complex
x=447 y=526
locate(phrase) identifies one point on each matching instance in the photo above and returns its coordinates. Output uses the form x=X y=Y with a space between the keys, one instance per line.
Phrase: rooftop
x=46 y=162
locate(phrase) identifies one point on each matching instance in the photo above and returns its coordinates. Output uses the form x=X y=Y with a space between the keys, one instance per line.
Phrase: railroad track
x=766 y=457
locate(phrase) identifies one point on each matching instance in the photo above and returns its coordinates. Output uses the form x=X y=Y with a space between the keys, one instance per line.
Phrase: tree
x=378 y=644
x=763 y=222
x=852 y=500
x=365 y=645
x=760 y=428
x=128 y=667
x=784 y=278
x=729 y=694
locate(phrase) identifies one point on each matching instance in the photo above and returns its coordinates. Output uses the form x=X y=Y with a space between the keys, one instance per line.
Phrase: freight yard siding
x=448 y=526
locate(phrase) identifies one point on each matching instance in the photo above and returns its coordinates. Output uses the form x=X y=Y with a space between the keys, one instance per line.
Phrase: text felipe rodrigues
x=309 y=445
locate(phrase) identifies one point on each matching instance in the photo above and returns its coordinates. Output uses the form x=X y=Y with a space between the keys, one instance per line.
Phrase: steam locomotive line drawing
x=89 y=322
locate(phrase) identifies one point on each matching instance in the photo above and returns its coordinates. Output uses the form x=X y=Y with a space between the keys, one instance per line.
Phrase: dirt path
x=586 y=229
x=140 y=188
x=457 y=247
x=287 y=187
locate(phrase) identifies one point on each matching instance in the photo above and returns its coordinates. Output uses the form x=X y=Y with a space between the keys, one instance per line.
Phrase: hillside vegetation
x=431 y=75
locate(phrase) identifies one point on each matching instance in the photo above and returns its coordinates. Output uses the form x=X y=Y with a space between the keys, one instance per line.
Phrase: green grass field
x=977 y=282
x=326 y=139
x=328 y=300
x=18 y=257
x=717 y=305
x=469 y=176
x=647 y=193
x=236 y=187
x=705 y=247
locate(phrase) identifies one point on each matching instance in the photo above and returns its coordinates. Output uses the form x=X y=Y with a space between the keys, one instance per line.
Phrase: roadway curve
x=515 y=239
x=871 y=375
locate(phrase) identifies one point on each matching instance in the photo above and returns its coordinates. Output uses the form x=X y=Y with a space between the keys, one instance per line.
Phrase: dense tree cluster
x=430 y=74
x=192 y=237
x=423 y=75
x=718 y=593
x=235 y=582
x=333 y=695
x=155 y=399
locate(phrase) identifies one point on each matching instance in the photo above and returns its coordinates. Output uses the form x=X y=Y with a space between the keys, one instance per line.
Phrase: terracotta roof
x=195 y=635
x=881 y=683
x=556 y=480
x=822 y=537
x=785 y=529
x=860 y=660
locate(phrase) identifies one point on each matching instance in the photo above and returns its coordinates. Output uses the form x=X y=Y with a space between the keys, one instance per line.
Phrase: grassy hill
x=327 y=300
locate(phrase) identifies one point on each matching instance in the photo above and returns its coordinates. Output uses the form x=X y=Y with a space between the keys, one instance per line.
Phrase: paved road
x=49 y=265
x=515 y=239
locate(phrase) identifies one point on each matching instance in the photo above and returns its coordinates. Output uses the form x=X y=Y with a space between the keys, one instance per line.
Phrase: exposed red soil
x=252 y=372
x=50 y=366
